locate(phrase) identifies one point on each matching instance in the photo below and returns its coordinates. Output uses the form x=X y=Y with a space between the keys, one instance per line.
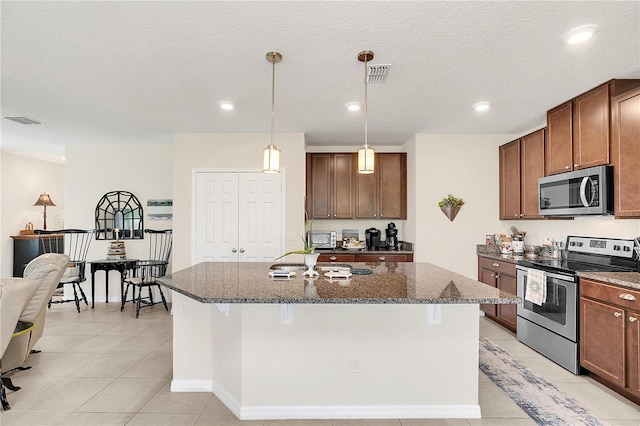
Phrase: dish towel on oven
x=536 y=291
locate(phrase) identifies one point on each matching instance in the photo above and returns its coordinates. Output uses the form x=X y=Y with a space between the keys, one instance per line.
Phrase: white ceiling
x=138 y=72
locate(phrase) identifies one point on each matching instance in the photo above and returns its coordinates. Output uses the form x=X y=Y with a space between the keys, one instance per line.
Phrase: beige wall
x=22 y=180
x=229 y=152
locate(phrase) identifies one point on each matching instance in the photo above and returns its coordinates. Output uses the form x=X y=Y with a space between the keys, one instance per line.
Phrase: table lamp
x=44 y=200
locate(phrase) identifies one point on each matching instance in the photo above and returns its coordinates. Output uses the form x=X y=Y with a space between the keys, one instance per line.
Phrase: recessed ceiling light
x=354 y=106
x=481 y=106
x=580 y=34
x=226 y=105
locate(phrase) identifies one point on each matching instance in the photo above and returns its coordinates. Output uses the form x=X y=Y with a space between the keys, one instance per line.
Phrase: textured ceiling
x=137 y=72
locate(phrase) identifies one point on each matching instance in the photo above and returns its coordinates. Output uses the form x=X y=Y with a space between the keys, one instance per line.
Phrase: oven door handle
x=570 y=278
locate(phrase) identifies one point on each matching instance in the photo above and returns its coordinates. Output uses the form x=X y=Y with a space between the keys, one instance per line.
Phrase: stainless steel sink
x=303 y=267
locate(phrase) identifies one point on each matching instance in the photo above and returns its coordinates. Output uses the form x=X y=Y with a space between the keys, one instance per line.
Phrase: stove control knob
x=616 y=248
x=579 y=244
x=626 y=248
x=572 y=243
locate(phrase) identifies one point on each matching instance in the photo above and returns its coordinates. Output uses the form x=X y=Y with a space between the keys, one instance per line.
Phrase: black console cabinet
x=25 y=249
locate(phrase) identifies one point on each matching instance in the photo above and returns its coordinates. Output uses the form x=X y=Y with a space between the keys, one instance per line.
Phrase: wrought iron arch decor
x=119 y=215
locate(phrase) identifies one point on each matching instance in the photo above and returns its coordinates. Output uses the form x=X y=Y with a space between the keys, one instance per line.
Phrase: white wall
x=91 y=171
x=22 y=180
x=467 y=167
x=228 y=152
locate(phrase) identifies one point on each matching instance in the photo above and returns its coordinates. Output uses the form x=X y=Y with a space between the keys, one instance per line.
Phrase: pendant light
x=366 y=154
x=271 y=154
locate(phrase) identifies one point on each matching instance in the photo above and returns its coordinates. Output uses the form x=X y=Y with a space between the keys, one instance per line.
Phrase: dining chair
x=146 y=272
x=75 y=244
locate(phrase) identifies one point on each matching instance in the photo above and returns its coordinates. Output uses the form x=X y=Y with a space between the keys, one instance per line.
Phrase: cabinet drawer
x=615 y=295
x=337 y=257
x=384 y=258
x=497 y=265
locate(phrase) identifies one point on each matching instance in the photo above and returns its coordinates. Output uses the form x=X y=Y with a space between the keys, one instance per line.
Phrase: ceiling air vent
x=377 y=73
x=23 y=120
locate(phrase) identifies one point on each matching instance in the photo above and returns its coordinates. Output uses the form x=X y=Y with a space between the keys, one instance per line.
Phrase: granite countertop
x=390 y=282
x=624 y=279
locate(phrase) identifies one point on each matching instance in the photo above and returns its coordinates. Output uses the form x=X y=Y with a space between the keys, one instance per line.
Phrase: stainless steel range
x=551 y=327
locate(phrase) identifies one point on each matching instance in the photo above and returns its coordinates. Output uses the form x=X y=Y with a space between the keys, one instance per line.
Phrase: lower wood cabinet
x=610 y=335
x=501 y=275
x=360 y=257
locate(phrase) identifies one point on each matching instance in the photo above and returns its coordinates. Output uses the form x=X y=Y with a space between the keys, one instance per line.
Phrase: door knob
x=241 y=250
x=233 y=250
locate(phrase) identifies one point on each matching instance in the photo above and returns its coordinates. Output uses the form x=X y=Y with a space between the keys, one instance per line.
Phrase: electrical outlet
x=354 y=364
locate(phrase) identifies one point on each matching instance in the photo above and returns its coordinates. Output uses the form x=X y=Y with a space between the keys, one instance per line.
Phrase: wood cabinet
x=578 y=131
x=383 y=194
x=609 y=335
x=330 y=185
x=501 y=275
x=336 y=191
x=559 y=143
x=521 y=164
x=365 y=257
x=625 y=153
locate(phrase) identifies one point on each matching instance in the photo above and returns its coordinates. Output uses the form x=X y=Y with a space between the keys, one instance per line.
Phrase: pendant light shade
x=366 y=154
x=271 y=154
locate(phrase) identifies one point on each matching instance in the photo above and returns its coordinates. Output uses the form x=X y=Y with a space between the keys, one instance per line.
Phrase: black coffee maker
x=391 y=236
x=372 y=236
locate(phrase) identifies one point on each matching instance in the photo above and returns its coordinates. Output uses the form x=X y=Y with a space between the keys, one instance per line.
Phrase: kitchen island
x=401 y=342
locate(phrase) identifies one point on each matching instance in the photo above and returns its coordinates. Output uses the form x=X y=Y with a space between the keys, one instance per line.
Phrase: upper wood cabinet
x=521 y=165
x=625 y=153
x=383 y=194
x=559 y=145
x=336 y=191
x=330 y=186
x=578 y=130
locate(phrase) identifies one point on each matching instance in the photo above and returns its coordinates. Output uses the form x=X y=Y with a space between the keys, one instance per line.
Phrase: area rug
x=541 y=400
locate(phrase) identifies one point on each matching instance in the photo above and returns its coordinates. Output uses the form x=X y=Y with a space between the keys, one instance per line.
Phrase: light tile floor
x=105 y=367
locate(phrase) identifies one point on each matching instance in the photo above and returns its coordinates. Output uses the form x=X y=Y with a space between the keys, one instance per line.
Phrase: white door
x=238 y=217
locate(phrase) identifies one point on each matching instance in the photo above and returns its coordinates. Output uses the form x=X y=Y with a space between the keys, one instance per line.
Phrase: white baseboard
x=191 y=386
x=470 y=411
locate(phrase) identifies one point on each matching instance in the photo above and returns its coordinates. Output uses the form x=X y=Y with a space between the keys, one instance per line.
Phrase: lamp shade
x=366 y=158
x=271 y=160
x=44 y=200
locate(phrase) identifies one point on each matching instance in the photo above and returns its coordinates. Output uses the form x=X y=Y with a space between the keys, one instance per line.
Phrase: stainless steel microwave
x=322 y=239
x=582 y=192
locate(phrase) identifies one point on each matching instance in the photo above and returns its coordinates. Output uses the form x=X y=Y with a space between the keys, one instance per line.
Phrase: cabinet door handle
x=382 y=258
x=241 y=250
x=617 y=314
x=567 y=167
x=633 y=319
x=627 y=296
x=233 y=250
x=497 y=265
x=575 y=165
x=333 y=258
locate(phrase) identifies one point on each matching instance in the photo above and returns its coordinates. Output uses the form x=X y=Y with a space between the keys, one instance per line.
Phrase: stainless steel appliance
x=372 y=236
x=322 y=239
x=552 y=327
x=583 y=192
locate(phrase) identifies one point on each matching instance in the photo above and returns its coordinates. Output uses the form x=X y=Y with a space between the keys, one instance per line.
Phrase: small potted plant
x=450 y=206
x=310 y=257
